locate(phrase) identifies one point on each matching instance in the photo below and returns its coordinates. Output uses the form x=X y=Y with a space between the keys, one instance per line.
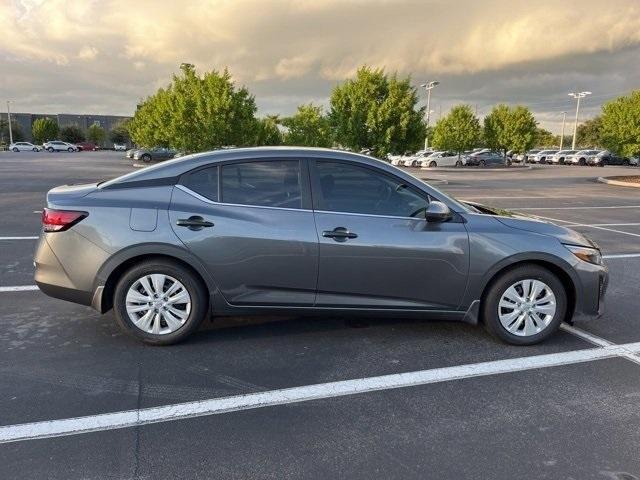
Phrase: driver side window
x=354 y=189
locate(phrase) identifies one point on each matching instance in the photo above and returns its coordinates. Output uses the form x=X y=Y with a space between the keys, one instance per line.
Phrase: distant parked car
x=443 y=159
x=417 y=159
x=87 y=147
x=119 y=147
x=155 y=154
x=560 y=157
x=129 y=153
x=24 y=147
x=605 y=157
x=59 y=146
x=482 y=159
x=523 y=157
x=580 y=157
x=635 y=161
x=541 y=157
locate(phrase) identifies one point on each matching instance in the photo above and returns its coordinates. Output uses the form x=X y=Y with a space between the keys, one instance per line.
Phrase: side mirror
x=437 y=212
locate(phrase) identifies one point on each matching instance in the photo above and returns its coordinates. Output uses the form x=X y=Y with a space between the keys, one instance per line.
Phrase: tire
x=432 y=164
x=458 y=164
x=582 y=162
x=626 y=163
x=15 y=149
x=50 y=149
x=491 y=308
x=146 y=158
x=482 y=163
x=35 y=150
x=193 y=312
x=69 y=149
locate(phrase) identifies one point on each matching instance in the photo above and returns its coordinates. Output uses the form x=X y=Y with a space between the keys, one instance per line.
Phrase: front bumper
x=590 y=296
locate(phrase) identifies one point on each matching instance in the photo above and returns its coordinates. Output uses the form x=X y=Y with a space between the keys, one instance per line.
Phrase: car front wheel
x=432 y=164
x=15 y=149
x=482 y=163
x=160 y=302
x=146 y=158
x=525 y=305
x=458 y=164
x=50 y=149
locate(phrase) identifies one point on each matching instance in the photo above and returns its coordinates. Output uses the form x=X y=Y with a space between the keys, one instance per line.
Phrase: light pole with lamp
x=428 y=87
x=9 y=121
x=577 y=96
x=564 y=118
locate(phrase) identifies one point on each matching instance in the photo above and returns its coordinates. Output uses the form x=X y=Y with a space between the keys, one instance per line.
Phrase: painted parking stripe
x=577 y=208
x=216 y=406
x=19 y=288
x=599 y=341
x=574 y=224
x=622 y=255
x=19 y=238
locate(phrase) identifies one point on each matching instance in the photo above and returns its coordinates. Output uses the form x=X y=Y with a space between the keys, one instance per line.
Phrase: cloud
x=303 y=47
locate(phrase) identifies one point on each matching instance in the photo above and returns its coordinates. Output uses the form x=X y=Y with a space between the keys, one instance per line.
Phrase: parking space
x=476 y=410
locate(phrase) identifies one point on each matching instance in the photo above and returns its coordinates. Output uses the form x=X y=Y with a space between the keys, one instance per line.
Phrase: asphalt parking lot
x=468 y=406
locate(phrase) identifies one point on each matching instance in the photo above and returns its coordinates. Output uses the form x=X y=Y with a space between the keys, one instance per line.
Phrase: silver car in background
x=580 y=157
x=24 y=147
x=301 y=231
x=541 y=157
x=559 y=158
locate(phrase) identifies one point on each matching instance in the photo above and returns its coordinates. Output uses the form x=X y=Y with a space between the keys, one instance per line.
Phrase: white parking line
x=576 y=208
x=599 y=341
x=574 y=224
x=19 y=288
x=19 y=238
x=622 y=255
x=536 y=197
x=216 y=406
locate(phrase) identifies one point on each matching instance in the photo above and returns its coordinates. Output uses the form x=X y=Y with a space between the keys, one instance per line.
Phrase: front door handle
x=339 y=234
x=194 y=223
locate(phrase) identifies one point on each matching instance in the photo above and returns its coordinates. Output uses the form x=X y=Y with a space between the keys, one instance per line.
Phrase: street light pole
x=428 y=87
x=564 y=118
x=577 y=96
x=9 y=119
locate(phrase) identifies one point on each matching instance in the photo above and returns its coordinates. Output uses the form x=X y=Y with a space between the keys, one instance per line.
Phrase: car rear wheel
x=525 y=305
x=482 y=163
x=50 y=149
x=146 y=158
x=458 y=164
x=69 y=149
x=35 y=149
x=160 y=302
x=432 y=164
x=15 y=149
x=582 y=162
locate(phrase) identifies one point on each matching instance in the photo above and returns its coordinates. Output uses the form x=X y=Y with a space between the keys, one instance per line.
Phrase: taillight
x=60 y=220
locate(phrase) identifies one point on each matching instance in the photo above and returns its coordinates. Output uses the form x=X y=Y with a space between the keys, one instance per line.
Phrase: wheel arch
x=561 y=271
x=118 y=264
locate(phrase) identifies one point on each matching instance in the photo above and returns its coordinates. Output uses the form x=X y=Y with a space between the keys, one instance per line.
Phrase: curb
x=618 y=183
x=476 y=169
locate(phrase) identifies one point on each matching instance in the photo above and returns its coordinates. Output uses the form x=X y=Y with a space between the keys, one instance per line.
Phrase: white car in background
x=59 y=146
x=416 y=159
x=24 y=147
x=580 y=157
x=542 y=156
x=443 y=159
x=560 y=157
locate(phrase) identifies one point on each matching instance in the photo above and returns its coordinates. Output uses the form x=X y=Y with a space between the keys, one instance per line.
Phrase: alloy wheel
x=158 y=304
x=527 y=307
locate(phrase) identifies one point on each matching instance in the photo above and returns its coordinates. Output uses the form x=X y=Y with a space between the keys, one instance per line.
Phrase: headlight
x=590 y=255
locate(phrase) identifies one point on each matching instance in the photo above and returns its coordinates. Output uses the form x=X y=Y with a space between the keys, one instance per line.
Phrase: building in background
x=25 y=121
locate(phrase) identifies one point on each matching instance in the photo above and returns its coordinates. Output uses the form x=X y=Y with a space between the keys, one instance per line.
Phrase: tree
x=196 y=113
x=510 y=128
x=71 y=134
x=620 y=127
x=44 y=129
x=96 y=134
x=589 y=133
x=458 y=131
x=308 y=127
x=377 y=111
x=267 y=131
x=544 y=138
x=16 y=131
x=120 y=133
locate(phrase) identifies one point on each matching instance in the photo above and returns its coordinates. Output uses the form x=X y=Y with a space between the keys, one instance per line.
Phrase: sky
x=103 y=56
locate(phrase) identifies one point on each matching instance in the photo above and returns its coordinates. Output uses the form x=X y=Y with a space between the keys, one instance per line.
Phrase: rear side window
x=354 y=189
x=273 y=183
x=203 y=182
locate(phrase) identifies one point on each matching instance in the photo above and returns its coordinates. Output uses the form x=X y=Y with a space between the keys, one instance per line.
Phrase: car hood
x=535 y=225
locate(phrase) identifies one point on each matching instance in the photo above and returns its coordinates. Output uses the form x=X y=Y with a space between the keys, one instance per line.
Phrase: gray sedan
x=306 y=231
x=154 y=154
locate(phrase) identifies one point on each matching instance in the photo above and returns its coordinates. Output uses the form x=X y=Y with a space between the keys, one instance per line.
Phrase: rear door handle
x=194 y=223
x=339 y=234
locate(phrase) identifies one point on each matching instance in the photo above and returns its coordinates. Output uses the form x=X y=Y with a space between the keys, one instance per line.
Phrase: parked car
x=560 y=156
x=635 y=161
x=87 y=147
x=119 y=147
x=155 y=154
x=59 y=146
x=443 y=159
x=541 y=156
x=484 y=158
x=523 y=157
x=580 y=157
x=605 y=157
x=245 y=231
x=129 y=153
x=23 y=147
x=416 y=159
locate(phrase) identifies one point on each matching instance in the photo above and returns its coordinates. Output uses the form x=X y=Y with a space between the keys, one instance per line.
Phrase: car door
x=251 y=224
x=376 y=248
